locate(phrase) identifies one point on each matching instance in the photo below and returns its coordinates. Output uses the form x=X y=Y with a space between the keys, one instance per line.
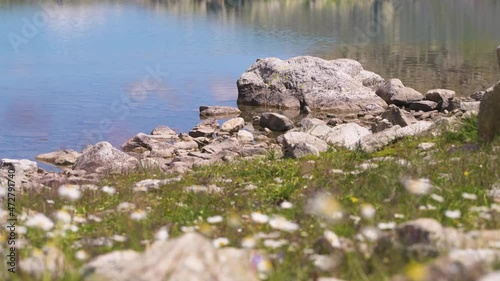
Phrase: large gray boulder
x=340 y=84
x=489 y=114
x=104 y=158
x=188 y=258
x=394 y=92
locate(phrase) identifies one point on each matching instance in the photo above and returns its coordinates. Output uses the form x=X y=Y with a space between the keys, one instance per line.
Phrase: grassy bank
x=309 y=193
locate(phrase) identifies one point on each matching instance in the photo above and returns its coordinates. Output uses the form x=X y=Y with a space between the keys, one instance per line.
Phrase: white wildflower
x=81 y=255
x=368 y=211
x=220 y=242
x=453 y=214
x=248 y=242
x=386 y=225
x=437 y=198
x=259 y=217
x=399 y=216
x=162 y=234
x=109 y=190
x=333 y=239
x=125 y=206
x=95 y=218
x=417 y=186
x=40 y=221
x=283 y=224
x=370 y=233
x=469 y=196
x=214 y=219
x=70 y=192
x=138 y=215
x=286 y=205
x=63 y=216
x=355 y=219
x=274 y=244
x=326 y=206
x=119 y=238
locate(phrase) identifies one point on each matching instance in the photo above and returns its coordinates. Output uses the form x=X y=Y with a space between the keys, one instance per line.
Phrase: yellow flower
x=416 y=272
x=466 y=173
x=354 y=199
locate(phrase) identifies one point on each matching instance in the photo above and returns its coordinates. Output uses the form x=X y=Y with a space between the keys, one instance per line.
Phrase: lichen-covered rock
x=103 y=158
x=489 y=114
x=312 y=82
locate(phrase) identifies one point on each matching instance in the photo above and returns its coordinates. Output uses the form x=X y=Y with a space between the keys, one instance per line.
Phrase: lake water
x=75 y=73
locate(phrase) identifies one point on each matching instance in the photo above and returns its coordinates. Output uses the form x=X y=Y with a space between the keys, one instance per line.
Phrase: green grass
x=453 y=167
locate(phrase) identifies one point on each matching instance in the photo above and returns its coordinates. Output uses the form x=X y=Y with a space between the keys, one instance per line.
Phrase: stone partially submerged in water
x=340 y=84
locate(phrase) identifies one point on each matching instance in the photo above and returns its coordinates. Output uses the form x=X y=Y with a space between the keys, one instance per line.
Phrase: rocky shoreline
x=376 y=113
x=370 y=113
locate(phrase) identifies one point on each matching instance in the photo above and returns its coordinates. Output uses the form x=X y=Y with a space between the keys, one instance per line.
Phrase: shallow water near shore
x=75 y=73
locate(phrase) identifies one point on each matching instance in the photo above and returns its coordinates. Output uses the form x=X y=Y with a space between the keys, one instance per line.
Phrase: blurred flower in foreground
x=70 y=192
x=259 y=218
x=40 y=221
x=220 y=242
x=81 y=255
x=214 y=219
x=368 y=211
x=417 y=186
x=138 y=215
x=416 y=272
x=453 y=214
x=248 y=242
x=281 y=223
x=325 y=205
x=109 y=190
x=162 y=234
